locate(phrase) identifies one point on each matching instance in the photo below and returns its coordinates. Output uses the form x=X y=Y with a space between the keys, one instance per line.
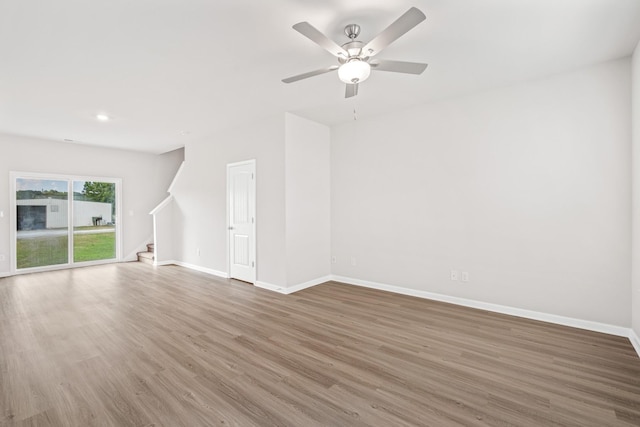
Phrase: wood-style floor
x=134 y=345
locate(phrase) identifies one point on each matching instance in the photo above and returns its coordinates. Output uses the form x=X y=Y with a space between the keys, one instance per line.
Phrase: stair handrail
x=162 y=205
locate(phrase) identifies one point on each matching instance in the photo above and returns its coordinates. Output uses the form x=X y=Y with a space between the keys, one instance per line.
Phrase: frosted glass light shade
x=354 y=71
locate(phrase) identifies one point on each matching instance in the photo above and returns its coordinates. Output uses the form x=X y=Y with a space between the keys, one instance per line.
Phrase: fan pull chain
x=355 y=115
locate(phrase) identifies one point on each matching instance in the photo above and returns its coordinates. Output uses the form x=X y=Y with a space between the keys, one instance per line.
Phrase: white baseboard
x=635 y=341
x=512 y=311
x=211 y=271
x=291 y=289
x=519 y=312
x=270 y=287
x=259 y=284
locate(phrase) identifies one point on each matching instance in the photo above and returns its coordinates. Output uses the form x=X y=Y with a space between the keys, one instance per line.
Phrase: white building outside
x=34 y=214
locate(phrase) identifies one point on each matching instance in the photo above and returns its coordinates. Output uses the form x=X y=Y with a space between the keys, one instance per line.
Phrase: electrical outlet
x=353 y=261
x=454 y=274
x=333 y=260
x=1 y=214
x=1 y=257
x=198 y=251
x=464 y=276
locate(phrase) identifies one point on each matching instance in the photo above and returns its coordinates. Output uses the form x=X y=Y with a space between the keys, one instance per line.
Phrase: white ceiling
x=166 y=67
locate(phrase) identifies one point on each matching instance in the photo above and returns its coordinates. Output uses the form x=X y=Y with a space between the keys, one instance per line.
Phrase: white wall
x=527 y=188
x=200 y=210
x=163 y=232
x=293 y=217
x=145 y=178
x=166 y=168
x=308 y=198
x=635 y=108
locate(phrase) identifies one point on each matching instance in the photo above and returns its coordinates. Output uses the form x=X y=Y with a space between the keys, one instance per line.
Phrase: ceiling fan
x=356 y=58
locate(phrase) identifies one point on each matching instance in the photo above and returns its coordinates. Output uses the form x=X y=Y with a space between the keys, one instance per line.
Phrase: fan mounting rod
x=352 y=31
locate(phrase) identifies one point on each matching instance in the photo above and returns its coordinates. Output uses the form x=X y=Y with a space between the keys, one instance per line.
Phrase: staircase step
x=146 y=257
x=151 y=247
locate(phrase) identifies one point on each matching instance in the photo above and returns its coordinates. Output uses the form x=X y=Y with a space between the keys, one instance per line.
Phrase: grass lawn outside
x=52 y=250
x=91 y=247
x=39 y=251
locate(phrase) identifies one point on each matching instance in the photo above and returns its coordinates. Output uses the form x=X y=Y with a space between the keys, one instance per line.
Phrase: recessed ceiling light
x=68 y=140
x=185 y=132
x=103 y=117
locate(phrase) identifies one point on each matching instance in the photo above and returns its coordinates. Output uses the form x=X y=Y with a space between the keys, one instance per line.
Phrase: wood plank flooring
x=133 y=345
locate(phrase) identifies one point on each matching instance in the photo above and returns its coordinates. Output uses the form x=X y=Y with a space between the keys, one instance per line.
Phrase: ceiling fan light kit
x=354 y=71
x=355 y=57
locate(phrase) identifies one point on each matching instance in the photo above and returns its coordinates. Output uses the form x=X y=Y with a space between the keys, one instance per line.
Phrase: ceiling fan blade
x=352 y=90
x=398 y=66
x=309 y=74
x=316 y=36
x=410 y=19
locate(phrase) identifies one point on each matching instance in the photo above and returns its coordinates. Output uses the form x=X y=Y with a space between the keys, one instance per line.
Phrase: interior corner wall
x=140 y=194
x=635 y=123
x=526 y=188
x=307 y=200
x=200 y=198
x=167 y=165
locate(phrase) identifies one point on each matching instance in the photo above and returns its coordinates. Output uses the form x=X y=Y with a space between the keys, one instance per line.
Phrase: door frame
x=254 y=250
x=13 y=176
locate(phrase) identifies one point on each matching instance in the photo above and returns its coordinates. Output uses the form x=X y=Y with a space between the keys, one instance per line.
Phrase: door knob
x=230 y=228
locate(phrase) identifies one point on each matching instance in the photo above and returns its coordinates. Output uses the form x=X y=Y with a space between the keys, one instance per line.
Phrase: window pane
x=42 y=222
x=94 y=207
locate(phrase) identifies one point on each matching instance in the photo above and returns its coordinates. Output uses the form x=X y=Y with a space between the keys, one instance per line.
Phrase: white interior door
x=241 y=188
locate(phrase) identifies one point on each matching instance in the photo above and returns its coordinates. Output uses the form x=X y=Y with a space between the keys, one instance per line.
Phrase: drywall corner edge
x=308 y=284
x=295 y=288
x=175 y=178
x=271 y=287
x=635 y=341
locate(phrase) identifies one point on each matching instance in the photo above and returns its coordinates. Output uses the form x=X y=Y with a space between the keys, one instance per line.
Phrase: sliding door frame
x=14 y=176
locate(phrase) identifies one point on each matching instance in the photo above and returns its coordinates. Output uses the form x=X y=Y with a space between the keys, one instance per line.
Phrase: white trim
x=635 y=341
x=295 y=288
x=308 y=284
x=175 y=178
x=211 y=271
x=270 y=287
x=12 y=222
x=519 y=312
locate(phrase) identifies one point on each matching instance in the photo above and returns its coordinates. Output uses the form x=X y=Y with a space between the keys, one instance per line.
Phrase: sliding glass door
x=94 y=220
x=63 y=220
x=42 y=232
